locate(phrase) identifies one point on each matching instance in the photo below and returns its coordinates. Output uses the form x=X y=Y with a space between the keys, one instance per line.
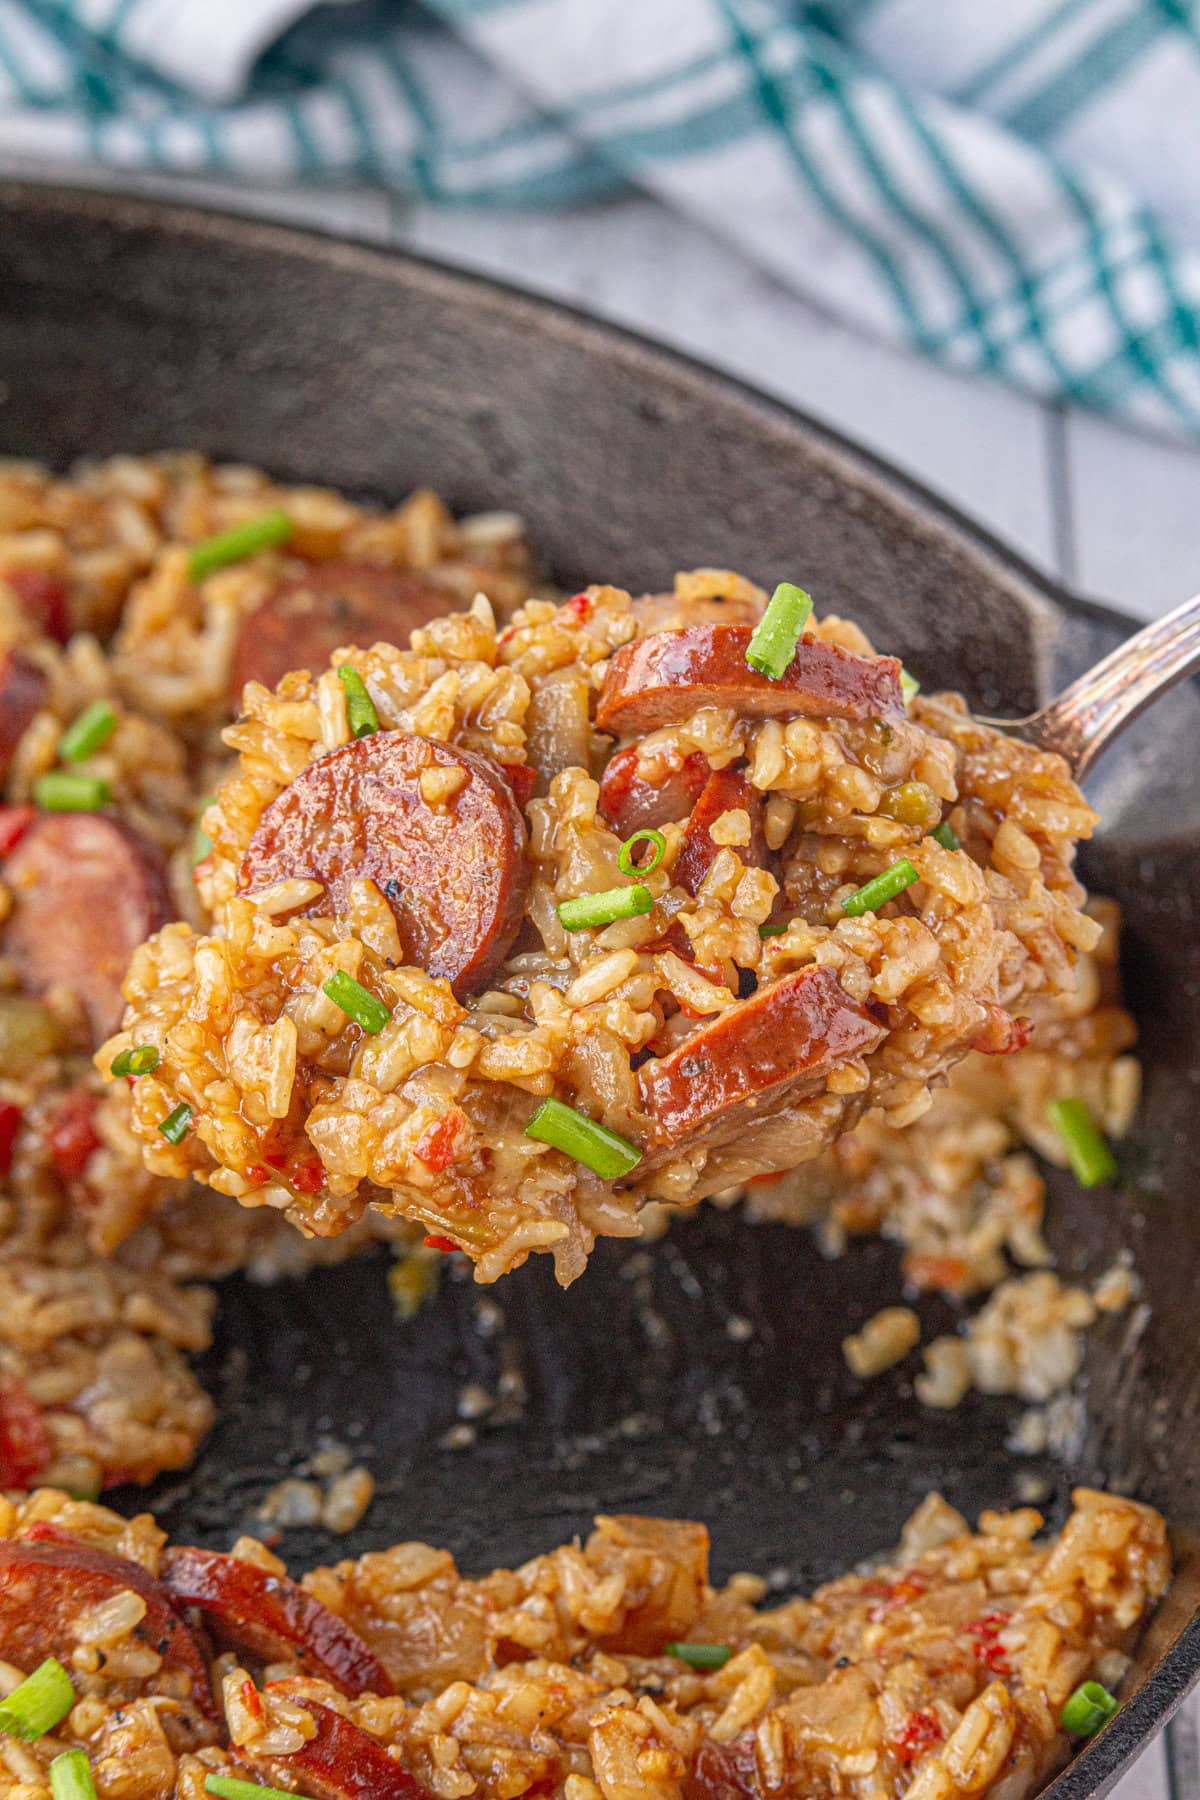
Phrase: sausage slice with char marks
x=750 y=1060
x=273 y=1617
x=454 y=872
x=49 y=1584
x=331 y=606
x=631 y=803
x=87 y=890
x=23 y=690
x=340 y=1762
x=726 y=790
x=664 y=679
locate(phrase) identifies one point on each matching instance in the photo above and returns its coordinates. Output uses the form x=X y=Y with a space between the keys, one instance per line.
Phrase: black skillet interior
x=700 y=1375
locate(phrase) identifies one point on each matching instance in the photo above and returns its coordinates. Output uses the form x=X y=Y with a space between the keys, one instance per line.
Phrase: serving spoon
x=1082 y=721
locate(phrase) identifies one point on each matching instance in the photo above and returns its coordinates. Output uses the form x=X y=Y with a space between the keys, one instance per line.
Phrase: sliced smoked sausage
x=726 y=790
x=453 y=868
x=47 y=1586
x=340 y=1762
x=663 y=679
x=87 y=890
x=746 y=1062
x=273 y=1617
x=23 y=689
x=331 y=606
x=631 y=803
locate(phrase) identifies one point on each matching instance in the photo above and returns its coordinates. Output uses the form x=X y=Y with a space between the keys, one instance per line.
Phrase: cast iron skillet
x=128 y=325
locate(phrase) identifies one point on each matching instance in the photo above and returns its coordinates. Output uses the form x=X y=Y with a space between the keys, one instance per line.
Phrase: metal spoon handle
x=1088 y=715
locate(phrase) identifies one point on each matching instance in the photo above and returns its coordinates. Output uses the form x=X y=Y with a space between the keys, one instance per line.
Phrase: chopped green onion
x=625 y=860
x=774 y=639
x=201 y=842
x=701 y=1656
x=174 y=1126
x=876 y=893
x=587 y=910
x=62 y=791
x=775 y=930
x=1088 y=1708
x=228 y=1787
x=357 y=1002
x=360 y=708
x=910 y=687
x=1089 y=1156
x=85 y=735
x=239 y=542
x=595 y=1146
x=71 y=1776
x=946 y=836
x=142 y=1061
x=42 y=1700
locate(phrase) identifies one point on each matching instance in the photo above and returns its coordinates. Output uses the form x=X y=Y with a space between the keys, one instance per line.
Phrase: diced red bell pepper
x=14 y=823
x=25 y=1447
x=10 y=1125
x=44 y=600
x=439 y=1145
x=72 y=1136
x=919 y=1733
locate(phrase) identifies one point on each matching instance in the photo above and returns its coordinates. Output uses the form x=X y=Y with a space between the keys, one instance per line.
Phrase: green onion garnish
x=175 y=1125
x=1087 y=1709
x=141 y=1061
x=62 y=791
x=625 y=860
x=239 y=542
x=876 y=893
x=357 y=1002
x=775 y=930
x=774 y=639
x=228 y=1787
x=946 y=836
x=1089 y=1156
x=360 y=708
x=41 y=1701
x=587 y=910
x=71 y=1777
x=85 y=735
x=910 y=687
x=701 y=1656
x=598 y=1148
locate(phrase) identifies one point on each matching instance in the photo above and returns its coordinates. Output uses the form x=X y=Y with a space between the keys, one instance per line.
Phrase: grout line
x=1063 y=523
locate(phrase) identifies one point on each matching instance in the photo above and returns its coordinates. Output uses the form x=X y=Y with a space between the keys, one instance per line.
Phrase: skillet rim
x=1096 y=1768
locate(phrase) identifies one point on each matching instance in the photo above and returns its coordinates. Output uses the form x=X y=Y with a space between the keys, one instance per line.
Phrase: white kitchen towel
x=1010 y=186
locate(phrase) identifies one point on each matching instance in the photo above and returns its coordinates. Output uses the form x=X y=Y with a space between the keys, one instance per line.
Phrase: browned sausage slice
x=331 y=606
x=664 y=679
x=341 y=1762
x=48 y=1584
x=454 y=871
x=23 y=688
x=746 y=1062
x=724 y=791
x=87 y=890
x=631 y=803
x=273 y=1617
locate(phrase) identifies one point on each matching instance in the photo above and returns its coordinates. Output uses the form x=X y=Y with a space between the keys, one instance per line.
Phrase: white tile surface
x=1135 y=507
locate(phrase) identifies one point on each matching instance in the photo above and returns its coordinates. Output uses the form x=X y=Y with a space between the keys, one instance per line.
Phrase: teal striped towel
x=1010 y=186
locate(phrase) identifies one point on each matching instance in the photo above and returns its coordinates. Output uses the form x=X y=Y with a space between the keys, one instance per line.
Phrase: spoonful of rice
x=630 y=899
